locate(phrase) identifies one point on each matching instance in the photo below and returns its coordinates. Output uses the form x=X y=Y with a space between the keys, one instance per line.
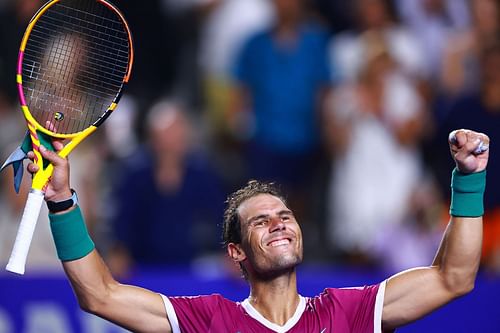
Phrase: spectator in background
x=281 y=77
x=156 y=45
x=166 y=197
x=479 y=110
x=337 y=13
x=412 y=242
x=433 y=22
x=380 y=114
x=377 y=18
x=460 y=72
x=14 y=17
x=227 y=27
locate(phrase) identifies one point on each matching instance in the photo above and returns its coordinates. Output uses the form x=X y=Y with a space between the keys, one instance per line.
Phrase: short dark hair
x=231 y=228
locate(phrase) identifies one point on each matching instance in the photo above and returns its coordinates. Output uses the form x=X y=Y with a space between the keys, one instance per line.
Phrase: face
x=289 y=9
x=171 y=134
x=271 y=237
x=372 y=13
x=485 y=14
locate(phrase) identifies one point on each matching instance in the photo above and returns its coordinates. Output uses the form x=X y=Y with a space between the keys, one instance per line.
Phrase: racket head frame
x=41 y=177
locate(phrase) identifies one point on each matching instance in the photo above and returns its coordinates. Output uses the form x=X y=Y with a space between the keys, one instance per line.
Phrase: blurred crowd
x=346 y=104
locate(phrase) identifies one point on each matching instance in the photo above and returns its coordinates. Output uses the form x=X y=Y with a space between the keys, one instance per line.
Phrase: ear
x=235 y=252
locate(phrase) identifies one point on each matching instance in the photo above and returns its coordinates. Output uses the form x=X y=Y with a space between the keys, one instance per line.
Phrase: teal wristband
x=467 y=192
x=70 y=235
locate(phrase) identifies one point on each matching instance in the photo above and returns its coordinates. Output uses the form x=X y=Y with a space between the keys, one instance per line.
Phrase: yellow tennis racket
x=74 y=60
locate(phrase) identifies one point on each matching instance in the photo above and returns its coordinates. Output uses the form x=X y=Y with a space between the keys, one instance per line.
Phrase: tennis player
x=263 y=237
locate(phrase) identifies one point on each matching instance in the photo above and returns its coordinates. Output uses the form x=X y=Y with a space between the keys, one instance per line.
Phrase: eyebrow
x=261 y=216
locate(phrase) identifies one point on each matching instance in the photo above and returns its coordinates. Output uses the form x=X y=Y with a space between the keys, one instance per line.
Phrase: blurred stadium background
x=347 y=105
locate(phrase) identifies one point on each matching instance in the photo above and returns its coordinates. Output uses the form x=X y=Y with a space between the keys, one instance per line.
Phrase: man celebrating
x=263 y=237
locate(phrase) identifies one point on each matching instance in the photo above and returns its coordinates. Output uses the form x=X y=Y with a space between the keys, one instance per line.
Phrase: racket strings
x=75 y=61
x=38 y=43
x=55 y=24
x=35 y=67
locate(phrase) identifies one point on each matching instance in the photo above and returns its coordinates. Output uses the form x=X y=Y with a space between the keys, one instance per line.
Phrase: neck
x=169 y=172
x=275 y=299
x=491 y=96
x=287 y=29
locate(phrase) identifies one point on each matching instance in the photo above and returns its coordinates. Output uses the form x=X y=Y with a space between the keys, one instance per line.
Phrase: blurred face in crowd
x=271 y=237
x=490 y=67
x=289 y=10
x=372 y=14
x=170 y=132
x=25 y=9
x=486 y=15
x=434 y=7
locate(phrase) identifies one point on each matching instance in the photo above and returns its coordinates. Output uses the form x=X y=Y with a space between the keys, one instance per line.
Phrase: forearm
x=85 y=269
x=91 y=280
x=414 y=293
x=460 y=251
x=458 y=257
x=134 y=308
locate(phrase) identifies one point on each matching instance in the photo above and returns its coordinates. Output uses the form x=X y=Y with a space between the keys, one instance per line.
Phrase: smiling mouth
x=279 y=242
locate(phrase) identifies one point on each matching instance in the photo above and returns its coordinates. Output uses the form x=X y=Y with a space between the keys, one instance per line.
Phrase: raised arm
x=133 y=308
x=417 y=292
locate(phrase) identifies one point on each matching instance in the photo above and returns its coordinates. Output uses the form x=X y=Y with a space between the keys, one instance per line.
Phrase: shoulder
x=257 y=40
x=260 y=36
x=207 y=299
x=315 y=30
x=202 y=173
x=199 y=161
x=200 y=313
x=345 y=297
x=357 y=308
x=211 y=301
x=138 y=161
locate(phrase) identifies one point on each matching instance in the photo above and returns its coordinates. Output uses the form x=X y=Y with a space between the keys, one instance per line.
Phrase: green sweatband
x=70 y=235
x=467 y=194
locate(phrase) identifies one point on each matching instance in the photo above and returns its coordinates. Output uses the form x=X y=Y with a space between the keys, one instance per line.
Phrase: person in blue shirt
x=167 y=196
x=281 y=79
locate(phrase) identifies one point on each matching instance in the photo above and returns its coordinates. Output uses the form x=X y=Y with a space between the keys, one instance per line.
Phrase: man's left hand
x=469 y=149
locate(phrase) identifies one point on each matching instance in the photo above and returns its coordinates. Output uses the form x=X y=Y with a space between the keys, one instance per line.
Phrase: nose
x=276 y=224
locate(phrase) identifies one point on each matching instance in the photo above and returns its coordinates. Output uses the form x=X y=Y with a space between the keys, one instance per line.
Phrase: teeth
x=280 y=242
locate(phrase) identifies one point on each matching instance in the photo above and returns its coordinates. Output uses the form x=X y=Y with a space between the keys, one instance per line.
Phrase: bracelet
x=70 y=235
x=467 y=192
x=59 y=206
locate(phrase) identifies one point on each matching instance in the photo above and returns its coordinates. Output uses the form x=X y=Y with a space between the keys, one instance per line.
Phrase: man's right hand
x=57 y=188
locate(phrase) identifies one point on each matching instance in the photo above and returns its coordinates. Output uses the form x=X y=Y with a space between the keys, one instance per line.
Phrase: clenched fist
x=469 y=149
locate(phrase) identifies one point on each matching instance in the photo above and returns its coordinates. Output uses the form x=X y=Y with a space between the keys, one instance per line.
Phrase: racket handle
x=17 y=260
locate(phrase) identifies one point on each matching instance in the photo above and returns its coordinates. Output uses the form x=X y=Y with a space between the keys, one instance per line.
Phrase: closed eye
x=286 y=215
x=259 y=220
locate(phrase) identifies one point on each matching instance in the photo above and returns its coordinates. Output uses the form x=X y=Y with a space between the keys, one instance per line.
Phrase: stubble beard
x=278 y=266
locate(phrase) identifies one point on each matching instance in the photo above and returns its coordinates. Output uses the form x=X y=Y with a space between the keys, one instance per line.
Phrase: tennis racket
x=74 y=60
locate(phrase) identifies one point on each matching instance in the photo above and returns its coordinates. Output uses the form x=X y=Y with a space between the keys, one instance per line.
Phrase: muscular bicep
x=412 y=294
x=136 y=309
x=417 y=292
